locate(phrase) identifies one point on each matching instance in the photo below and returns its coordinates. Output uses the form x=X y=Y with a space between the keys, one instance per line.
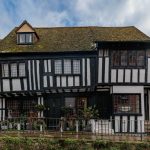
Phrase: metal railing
x=97 y=127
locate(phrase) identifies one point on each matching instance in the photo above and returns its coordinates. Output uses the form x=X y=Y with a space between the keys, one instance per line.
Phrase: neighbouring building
x=77 y=67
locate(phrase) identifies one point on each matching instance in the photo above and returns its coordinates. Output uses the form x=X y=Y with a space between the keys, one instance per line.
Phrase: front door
x=53 y=109
x=104 y=105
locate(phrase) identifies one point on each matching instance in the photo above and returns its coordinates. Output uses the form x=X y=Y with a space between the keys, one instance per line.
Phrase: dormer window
x=25 y=38
x=26 y=34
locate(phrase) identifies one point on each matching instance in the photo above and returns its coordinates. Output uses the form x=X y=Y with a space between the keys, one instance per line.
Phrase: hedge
x=26 y=143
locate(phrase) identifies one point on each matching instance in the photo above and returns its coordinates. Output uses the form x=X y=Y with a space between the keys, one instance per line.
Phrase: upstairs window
x=123 y=58
x=67 y=66
x=76 y=66
x=115 y=58
x=140 y=58
x=5 y=70
x=130 y=58
x=13 y=70
x=25 y=38
x=22 y=71
x=58 y=66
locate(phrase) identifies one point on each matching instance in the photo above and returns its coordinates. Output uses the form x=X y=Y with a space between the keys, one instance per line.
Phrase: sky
x=51 y=13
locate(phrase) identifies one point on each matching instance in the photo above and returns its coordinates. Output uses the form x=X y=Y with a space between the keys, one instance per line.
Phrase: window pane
x=115 y=58
x=67 y=66
x=126 y=104
x=123 y=58
x=22 y=38
x=76 y=66
x=5 y=72
x=28 y=38
x=14 y=70
x=140 y=58
x=70 y=102
x=132 y=58
x=58 y=66
x=22 y=69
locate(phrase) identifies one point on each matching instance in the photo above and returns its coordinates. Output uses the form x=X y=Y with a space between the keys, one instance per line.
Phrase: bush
x=99 y=144
x=25 y=143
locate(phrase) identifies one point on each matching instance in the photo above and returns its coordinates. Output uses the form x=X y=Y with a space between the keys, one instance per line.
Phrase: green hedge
x=24 y=143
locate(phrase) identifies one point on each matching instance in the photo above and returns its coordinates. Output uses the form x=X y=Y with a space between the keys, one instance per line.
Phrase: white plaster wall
x=106 y=70
x=6 y=85
x=120 y=75
x=88 y=72
x=127 y=75
x=16 y=85
x=100 y=70
x=113 y=75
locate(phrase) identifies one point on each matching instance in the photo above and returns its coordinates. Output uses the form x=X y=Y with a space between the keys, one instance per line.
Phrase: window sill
x=127 y=114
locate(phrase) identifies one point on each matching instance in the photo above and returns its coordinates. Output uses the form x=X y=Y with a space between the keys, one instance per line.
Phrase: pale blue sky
x=50 y=13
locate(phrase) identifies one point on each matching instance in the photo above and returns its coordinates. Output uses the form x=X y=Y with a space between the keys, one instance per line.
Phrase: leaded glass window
x=67 y=66
x=76 y=66
x=58 y=67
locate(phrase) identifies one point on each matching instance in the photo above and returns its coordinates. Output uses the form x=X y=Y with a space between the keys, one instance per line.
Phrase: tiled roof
x=60 y=39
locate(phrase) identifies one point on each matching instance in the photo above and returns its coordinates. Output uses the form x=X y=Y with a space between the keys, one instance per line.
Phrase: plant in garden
x=39 y=107
x=38 y=123
x=89 y=113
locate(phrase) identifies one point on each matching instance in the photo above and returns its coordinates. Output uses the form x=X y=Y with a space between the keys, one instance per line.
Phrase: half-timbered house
x=77 y=67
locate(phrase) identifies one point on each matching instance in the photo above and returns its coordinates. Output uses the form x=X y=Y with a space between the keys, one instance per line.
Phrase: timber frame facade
x=77 y=67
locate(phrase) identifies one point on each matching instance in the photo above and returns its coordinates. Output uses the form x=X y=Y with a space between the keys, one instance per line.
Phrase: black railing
x=97 y=127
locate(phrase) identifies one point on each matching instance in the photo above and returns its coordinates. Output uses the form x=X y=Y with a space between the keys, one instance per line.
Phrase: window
x=58 y=66
x=22 y=71
x=15 y=69
x=126 y=103
x=76 y=66
x=25 y=38
x=129 y=58
x=132 y=58
x=123 y=58
x=67 y=66
x=70 y=103
x=140 y=58
x=16 y=108
x=5 y=70
x=115 y=58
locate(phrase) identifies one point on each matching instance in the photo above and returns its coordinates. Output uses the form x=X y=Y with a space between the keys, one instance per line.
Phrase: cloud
x=74 y=13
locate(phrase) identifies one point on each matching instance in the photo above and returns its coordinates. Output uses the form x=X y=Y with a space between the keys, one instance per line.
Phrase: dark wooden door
x=53 y=107
x=104 y=105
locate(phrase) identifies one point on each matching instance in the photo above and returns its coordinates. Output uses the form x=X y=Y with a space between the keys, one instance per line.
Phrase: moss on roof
x=60 y=39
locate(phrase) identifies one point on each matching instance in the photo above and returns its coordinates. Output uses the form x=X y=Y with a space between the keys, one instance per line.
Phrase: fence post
x=18 y=126
x=61 y=125
x=41 y=128
x=77 y=126
x=141 y=130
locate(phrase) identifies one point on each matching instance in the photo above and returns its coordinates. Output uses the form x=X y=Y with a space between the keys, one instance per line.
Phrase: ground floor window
x=74 y=105
x=126 y=103
x=20 y=108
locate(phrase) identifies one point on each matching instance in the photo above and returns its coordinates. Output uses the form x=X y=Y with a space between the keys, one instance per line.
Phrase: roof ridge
x=85 y=27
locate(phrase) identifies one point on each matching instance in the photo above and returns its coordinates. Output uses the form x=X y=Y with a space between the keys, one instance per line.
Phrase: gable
x=25 y=28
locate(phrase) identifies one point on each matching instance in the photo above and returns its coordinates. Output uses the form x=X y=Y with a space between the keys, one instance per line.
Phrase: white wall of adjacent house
x=125 y=121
